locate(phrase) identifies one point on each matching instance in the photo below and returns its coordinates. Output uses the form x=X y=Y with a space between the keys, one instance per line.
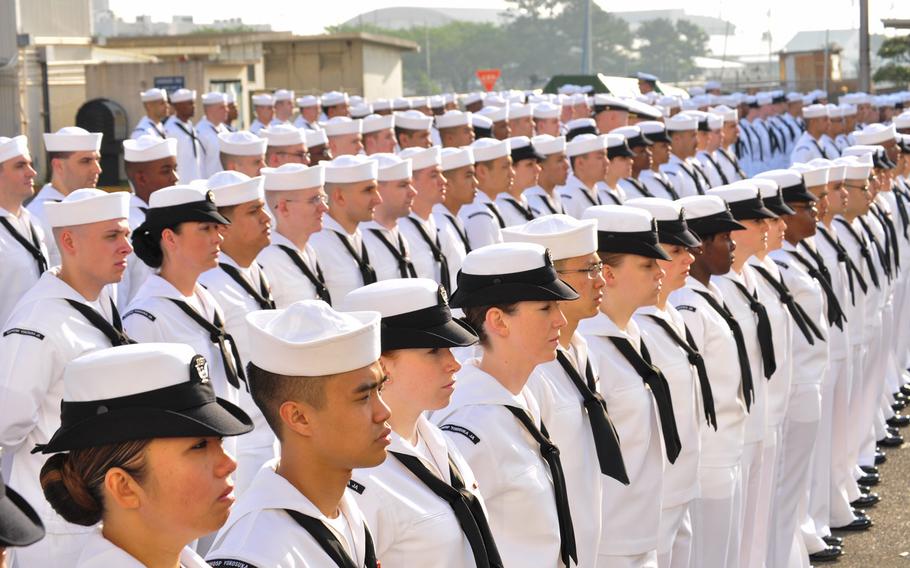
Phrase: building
x=846 y=41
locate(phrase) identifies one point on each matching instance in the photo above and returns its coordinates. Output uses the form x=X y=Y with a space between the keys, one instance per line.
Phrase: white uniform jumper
x=293 y=274
x=189 y=151
x=99 y=552
x=543 y=203
x=482 y=220
x=576 y=196
x=388 y=251
x=36 y=209
x=24 y=257
x=454 y=239
x=344 y=268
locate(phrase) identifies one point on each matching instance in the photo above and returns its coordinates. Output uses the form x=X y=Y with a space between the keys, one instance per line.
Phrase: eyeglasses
x=321 y=198
x=302 y=156
x=592 y=271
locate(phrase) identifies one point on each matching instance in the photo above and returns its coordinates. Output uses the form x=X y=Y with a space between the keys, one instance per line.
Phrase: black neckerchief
x=835 y=312
x=317 y=279
x=769 y=361
x=405 y=266
x=805 y=324
x=263 y=297
x=33 y=247
x=436 y=251
x=745 y=369
x=329 y=543
x=113 y=330
x=367 y=273
x=233 y=366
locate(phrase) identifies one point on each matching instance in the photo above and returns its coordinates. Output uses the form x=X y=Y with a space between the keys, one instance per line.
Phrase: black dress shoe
x=830 y=554
x=832 y=540
x=867 y=500
x=880 y=458
x=898 y=421
x=900 y=397
x=859 y=524
x=892 y=430
x=898 y=406
x=906 y=388
x=891 y=441
x=869 y=468
x=869 y=480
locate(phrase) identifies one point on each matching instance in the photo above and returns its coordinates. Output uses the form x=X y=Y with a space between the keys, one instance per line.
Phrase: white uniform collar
x=711 y=288
x=574 y=181
x=279 y=239
x=99 y=552
x=367 y=225
x=602 y=325
x=157 y=287
x=330 y=223
x=434 y=440
x=48 y=191
x=479 y=387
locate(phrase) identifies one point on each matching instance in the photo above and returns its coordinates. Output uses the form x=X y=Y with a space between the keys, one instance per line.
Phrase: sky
x=782 y=17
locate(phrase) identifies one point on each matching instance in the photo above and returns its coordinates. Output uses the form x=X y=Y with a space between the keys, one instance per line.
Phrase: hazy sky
x=751 y=18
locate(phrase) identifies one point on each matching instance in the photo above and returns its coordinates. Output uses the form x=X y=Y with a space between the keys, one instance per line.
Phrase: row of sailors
x=238 y=285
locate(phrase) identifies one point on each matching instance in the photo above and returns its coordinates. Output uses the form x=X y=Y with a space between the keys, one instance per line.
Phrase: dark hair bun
x=147 y=246
x=68 y=493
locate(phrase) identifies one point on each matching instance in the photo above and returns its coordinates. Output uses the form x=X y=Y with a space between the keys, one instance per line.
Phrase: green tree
x=897 y=69
x=667 y=49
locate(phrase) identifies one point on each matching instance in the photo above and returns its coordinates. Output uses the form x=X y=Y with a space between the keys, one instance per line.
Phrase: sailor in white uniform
x=587 y=155
x=242 y=152
x=457 y=165
x=493 y=417
x=177 y=442
x=513 y=206
x=482 y=218
x=620 y=156
x=155 y=103
x=636 y=393
x=423 y=502
x=419 y=227
x=658 y=183
x=716 y=332
x=725 y=156
x=386 y=247
x=239 y=286
x=295 y=196
x=554 y=170
x=75 y=158
x=317 y=378
x=150 y=164
x=309 y=113
x=566 y=389
x=286 y=145
x=345 y=136
x=58 y=319
x=673 y=351
x=264 y=109
x=214 y=107
x=351 y=187
x=21 y=239
x=685 y=177
x=180 y=126
x=171 y=306
x=378 y=134
x=808 y=146
x=455 y=129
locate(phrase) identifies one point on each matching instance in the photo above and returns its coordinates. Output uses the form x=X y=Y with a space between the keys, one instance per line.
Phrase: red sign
x=488 y=77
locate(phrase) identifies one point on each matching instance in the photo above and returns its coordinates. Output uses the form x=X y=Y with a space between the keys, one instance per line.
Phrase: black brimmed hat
x=19 y=523
x=626 y=230
x=708 y=215
x=672 y=228
x=744 y=199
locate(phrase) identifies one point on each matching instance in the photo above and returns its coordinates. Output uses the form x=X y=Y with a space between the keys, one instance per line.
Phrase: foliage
x=897 y=69
x=542 y=38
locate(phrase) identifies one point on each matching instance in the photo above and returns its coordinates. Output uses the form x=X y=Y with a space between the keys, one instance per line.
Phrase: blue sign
x=170 y=84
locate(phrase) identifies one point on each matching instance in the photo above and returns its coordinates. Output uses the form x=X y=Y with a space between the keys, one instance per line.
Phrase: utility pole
x=864 y=83
x=586 y=41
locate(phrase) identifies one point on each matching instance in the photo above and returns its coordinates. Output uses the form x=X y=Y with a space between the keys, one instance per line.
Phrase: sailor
x=242 y=152
x=154 y=101
x=382 y=107
x=412 y=129
x=457 y=165
x=297 y=202
x=685 y=178
x=808 y=146
x=351 y=187
x=588 y=159
x=335 y=104
x=554 y=170
x=546 y=118
x=239 y=286
x=214 y=106
x=317 y=144
x=232 y=113
x=75 y=160
x=673 y=351
x=513 y=205
x=716 y=333
x=520 y=123
x=636 y=392
x=286 y=145
x=264 y=109
x=21 y=239
x=658 y=183
x=386 y=248
x=315 y=375
x=344 y=135
x=308 y=118
x=493 y=172
x=68 y=312
x=610 y=113
x=640 y=145
x=378 y=134
x=509 y=293
x=284 y=107
x=181 y=240
x=566 y=388
x=619 y=156
x=143 y=456
x=709 y=138
x=724 y=155
x=419 y=227
x=180 y=126
x=151 y=164
x=423 y=501
x=455 y=129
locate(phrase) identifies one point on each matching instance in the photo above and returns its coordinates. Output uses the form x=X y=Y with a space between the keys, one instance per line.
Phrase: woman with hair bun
x=142 y=456
x=180 y=239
